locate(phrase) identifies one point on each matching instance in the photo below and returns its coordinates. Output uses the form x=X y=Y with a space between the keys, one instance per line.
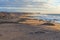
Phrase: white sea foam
x=48 y=17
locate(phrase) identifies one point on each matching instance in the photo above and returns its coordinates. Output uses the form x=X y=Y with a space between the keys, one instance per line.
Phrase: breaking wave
x=48 y=17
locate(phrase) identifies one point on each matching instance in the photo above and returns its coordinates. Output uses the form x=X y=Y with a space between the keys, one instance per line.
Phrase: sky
x=42 y=6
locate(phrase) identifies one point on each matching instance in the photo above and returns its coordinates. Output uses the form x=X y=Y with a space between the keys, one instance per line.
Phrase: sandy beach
x=12 y=31
x=22 y=31
x=28 y=29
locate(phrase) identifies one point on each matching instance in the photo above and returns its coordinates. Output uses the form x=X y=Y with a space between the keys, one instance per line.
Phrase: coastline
x=29 y=31
x=26 y=28
x=38 y=23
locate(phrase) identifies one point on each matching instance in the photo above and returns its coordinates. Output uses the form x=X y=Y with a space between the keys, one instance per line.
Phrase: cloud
x=22 y=5
x=34 y=3
x=46 y=6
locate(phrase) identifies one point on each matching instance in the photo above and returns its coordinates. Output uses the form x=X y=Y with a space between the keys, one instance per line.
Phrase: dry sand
x=15 y=31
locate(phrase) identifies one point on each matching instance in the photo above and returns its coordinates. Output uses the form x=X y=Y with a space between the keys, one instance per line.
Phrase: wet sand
x=15 y=31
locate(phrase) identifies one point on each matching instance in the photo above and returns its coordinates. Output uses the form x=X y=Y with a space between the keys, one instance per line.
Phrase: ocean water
x=54 y=17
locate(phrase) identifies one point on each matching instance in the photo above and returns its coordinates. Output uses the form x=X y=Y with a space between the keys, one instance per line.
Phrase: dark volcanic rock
x=50 y=24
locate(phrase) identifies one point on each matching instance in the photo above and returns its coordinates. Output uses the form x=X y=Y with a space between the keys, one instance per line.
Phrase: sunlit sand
x=29 y=29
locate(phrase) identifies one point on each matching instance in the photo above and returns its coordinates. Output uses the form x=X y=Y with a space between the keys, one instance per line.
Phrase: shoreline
x=29 y=29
